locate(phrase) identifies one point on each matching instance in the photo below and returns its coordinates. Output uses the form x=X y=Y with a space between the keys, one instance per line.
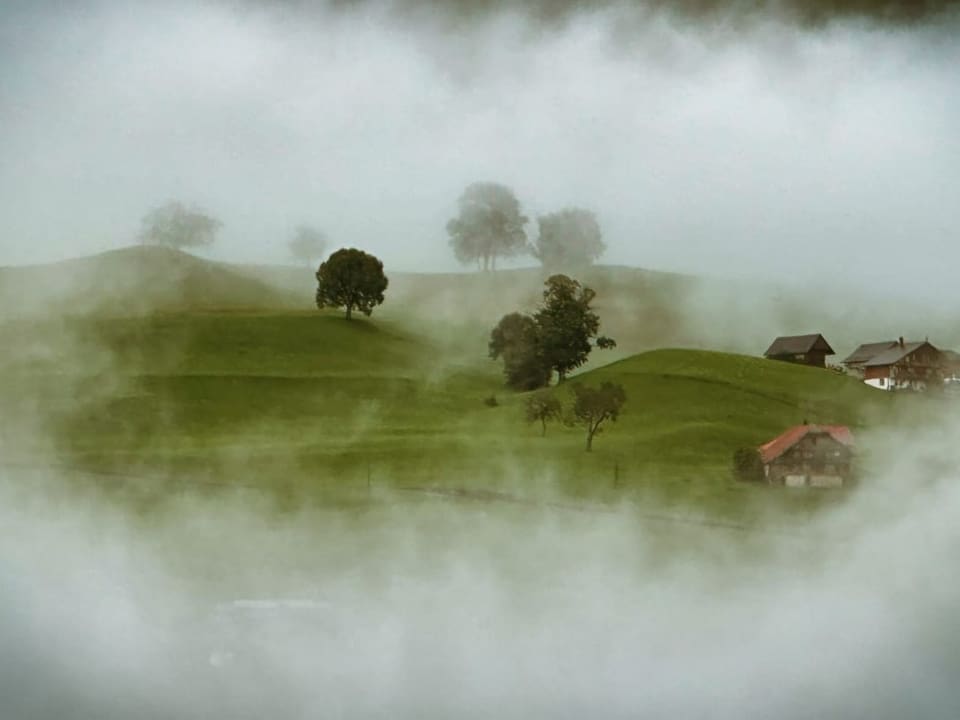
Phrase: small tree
x=489 y=225
x=308 y=245
x=569 y=238
x=543 y=407
x=351 y=278
x=593 y=406
x=515 y=339
x=177 y=226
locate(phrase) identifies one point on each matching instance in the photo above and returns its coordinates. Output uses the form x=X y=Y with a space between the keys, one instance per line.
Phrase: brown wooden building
x=855 y=361
x=809 y=456
x=905 y=366
x=803 y=349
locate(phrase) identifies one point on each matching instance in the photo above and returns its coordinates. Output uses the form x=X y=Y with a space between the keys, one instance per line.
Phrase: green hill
x=642 y=309
x=156 y=364
x=133 y=281
x=310 y=405
x=691 y=408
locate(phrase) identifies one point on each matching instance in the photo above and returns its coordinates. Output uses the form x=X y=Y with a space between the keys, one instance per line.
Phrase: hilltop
x=133 y=281
x=642 y=309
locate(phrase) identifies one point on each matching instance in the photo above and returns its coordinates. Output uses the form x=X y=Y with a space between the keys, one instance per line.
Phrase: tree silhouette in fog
x=489 y=225
x=178 y=226
x=569 y=238
x=307 y=245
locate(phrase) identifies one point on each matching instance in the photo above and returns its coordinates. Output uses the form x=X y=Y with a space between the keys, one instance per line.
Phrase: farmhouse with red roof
x=809 y=455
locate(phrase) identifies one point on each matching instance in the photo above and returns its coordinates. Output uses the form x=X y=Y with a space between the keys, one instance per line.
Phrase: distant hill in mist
x=132 y=281
x=641 y=309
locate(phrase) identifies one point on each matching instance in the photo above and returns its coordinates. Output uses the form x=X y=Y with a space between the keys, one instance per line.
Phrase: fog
x=439 y=609
x=817 y=142
x=812 y=145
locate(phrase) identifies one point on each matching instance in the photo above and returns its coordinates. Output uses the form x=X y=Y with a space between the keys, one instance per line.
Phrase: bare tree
x=593 y=406
x=543 y=407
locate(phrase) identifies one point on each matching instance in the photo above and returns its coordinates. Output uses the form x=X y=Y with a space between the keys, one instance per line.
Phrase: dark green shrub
x=747 y=465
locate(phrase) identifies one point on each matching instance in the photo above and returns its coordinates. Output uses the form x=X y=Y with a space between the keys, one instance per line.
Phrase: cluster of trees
x=350 y=278
x=179 y=226
x=490 y=225
x=591 y=408
x=558 y=337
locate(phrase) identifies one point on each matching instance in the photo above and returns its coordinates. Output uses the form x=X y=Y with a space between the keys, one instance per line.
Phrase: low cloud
x=429 y=608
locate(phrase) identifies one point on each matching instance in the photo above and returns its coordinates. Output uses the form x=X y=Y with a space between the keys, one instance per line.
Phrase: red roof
x=779 y=445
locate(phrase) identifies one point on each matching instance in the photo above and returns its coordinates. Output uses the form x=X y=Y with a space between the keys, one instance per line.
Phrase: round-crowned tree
x=569 y=238
x=489 y=225
x=351 y=279
x=177 y=226
x=307 y=245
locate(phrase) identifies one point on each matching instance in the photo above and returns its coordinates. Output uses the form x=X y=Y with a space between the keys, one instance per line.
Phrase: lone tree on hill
x=593 y=406
x=516 y=340
x=569 y=238
x=308 y=244
x=177 y=226
x=351 y=278
x=489 y=224
x=543 y=407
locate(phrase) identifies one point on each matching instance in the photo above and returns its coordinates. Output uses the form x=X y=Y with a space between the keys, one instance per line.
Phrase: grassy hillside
x=642 y=309
x=158 y=365
x=310 y=405
x=133 y=281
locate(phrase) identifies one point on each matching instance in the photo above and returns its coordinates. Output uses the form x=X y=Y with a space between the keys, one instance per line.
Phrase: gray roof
x=895 y=354
x=869 y=350
x=797 y=344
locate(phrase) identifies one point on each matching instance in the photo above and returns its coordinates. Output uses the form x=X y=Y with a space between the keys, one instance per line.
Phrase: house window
x=883 y=382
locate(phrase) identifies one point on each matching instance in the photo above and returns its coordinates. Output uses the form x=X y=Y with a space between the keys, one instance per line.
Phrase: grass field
x=305 y=405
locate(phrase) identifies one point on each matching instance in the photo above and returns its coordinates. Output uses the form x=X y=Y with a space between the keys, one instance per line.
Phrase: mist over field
x=471 y=610
x=811 y=142
x=219 y=501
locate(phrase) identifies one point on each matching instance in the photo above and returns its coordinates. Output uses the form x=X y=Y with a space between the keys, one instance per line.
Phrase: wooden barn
x=809 y=456
x=804 y=349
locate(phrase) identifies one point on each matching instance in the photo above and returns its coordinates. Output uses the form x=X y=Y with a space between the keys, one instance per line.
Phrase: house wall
x=817 y=461
x=913 y=371
x=815 y=358
x=855 y=369
x=878 y=377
